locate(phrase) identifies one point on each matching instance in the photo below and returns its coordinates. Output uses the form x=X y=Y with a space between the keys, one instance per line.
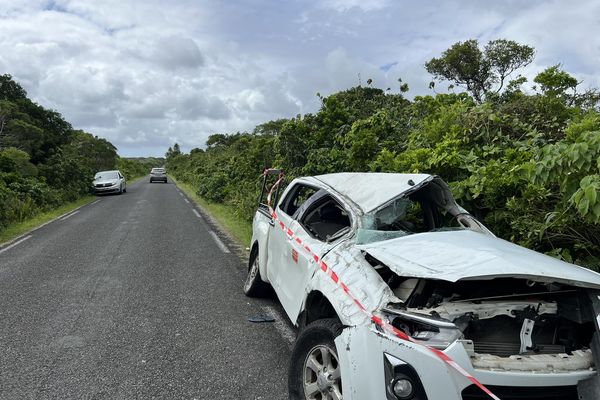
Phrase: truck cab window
x=325 y=219
x=296 y=197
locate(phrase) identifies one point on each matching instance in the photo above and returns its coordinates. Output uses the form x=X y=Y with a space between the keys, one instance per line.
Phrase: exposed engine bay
x=504 y=323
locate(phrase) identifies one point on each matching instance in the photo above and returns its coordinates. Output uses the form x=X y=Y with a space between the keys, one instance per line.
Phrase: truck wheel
x=315 y=371
x=254 y=285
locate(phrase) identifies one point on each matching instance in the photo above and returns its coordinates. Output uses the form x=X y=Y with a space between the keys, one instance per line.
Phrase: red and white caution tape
x=381 y=323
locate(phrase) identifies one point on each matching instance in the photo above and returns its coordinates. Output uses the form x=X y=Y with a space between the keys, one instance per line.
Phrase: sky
x=145 y=74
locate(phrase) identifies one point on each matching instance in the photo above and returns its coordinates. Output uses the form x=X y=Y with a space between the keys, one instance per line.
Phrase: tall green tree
x=11 y=90
x=480 y=72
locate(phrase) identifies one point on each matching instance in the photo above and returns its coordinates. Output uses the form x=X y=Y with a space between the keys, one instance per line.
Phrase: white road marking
x=186 y=200
x=69 y=215
x=219 y=242
x=47 y=223
x=197 y=213
x=284 y=330
x=14 y=244
x=181 y=194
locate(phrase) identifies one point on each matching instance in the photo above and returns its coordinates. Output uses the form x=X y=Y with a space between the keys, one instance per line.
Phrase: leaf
x=596 y=211
x=566 y=256
x=549 y=217
x=590 y=193
x=579 y=162
x=583 y=206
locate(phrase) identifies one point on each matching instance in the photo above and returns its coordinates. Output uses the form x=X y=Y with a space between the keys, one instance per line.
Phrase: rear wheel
x=315 y=372
x=254 y=285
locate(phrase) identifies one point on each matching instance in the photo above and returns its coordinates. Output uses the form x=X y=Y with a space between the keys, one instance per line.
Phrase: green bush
x=44 y=162
x=526 y=164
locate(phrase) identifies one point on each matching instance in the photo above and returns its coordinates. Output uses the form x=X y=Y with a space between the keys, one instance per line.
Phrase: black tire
x=125 y=190
x=317 y=338
x=120 y=189
x=254 y=286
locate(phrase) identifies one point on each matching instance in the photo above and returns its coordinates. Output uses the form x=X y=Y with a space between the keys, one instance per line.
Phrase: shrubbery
x=527 y=164
x=44 y=162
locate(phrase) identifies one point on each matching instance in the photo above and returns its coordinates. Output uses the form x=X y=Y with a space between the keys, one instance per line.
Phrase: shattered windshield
x=430 y=208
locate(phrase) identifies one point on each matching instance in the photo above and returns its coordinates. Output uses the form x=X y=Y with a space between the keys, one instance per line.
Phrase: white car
x=401 y=294
x=109 y=182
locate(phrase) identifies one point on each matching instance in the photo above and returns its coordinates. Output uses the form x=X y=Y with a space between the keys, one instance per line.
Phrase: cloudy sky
x=147 y=73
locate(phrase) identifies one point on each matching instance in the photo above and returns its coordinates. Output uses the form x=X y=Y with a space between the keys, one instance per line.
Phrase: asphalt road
x=133 y=297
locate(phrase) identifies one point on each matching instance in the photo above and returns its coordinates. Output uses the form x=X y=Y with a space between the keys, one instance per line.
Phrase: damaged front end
x=502 y=322
x=481 y=314
x=509 y=325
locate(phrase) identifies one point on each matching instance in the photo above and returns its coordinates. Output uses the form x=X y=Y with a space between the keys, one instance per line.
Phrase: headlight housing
x=436 y=332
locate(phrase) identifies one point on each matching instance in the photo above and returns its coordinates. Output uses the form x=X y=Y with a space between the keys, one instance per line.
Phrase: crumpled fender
x=361 y=279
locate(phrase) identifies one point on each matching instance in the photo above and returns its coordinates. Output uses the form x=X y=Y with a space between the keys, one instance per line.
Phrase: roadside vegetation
x=524 y=157
x=237 y=226
x=45 y=164
x=137 y=167
x=16 y=229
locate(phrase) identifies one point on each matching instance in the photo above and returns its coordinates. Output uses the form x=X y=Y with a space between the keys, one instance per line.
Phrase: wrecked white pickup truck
x=401 y=294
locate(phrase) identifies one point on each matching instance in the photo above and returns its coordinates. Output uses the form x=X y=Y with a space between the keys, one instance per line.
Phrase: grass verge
x=239 y=228
x=19 y=228
x=134 y=180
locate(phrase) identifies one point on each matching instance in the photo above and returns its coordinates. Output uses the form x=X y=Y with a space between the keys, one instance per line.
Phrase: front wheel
x=254 y=285
x=315 y=372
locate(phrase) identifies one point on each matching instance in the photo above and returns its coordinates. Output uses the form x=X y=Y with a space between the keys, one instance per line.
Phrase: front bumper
x=109 y=189
x=364 y=375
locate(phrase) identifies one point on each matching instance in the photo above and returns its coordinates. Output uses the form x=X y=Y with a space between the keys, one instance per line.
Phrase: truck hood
x=468 y=255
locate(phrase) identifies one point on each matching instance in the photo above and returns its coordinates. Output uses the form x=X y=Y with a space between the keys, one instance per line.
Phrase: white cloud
x=365 y=5
x=175 y=52
x=144 y=73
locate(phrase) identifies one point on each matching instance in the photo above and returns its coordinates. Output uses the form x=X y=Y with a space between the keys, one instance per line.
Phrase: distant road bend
x=134 y=297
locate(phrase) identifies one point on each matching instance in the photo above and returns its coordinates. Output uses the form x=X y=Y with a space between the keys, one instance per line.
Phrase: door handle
x=271 y=222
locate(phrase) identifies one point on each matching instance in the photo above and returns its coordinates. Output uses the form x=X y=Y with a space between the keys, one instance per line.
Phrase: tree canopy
x=480 y=72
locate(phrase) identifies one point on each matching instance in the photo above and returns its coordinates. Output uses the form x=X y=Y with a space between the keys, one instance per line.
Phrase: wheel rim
x=322 y=378
x=251 y=274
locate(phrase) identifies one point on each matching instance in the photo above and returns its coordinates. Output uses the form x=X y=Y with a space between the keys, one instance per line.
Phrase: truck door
x=280 y=260
x=319 y=225
x=315 y=226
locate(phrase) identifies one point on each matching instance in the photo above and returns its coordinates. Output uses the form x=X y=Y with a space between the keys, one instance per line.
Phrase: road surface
x=134 y=297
